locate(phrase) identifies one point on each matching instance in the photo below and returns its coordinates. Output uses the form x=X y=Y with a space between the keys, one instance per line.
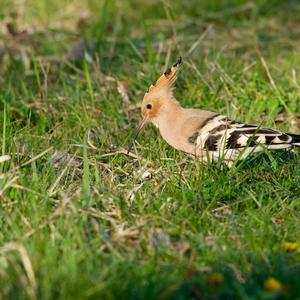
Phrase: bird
x=206 y=135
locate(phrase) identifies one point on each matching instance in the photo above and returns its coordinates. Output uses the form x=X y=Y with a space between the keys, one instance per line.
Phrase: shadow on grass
x=222 y=282
x=274 y=159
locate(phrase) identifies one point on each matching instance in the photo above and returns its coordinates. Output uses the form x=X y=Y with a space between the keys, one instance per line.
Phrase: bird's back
x=212 y=136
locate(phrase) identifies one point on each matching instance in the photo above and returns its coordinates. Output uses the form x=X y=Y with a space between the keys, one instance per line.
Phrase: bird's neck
x=170 y=113
x=173 y=109
x=169 y=122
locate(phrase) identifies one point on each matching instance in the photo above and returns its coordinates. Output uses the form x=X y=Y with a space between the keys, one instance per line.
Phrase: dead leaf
x=78 y=51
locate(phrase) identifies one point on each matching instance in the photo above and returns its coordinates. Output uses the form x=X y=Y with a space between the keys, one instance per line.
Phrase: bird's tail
x=295 y=139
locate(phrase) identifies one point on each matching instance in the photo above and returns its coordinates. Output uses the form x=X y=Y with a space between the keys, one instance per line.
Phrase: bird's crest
x=166 y=80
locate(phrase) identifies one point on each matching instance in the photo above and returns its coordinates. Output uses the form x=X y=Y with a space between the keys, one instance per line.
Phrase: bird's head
x=157 y=99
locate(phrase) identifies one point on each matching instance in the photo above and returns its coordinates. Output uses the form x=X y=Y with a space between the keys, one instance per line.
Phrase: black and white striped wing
x=234 y=140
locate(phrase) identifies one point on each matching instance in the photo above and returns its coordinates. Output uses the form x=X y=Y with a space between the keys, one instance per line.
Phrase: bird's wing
x=223 y=136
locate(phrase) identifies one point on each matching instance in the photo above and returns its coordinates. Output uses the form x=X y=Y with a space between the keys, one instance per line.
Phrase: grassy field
x=80 y=219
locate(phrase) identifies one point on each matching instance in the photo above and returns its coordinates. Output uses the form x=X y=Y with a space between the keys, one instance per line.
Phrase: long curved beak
x=136 y=132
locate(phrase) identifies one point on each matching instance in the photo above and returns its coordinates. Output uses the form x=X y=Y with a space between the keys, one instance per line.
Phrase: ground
x=80 y=219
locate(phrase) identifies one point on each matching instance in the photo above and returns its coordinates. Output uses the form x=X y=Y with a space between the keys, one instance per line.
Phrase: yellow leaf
x=290 y=246
x=272 y=284
x=215 y=279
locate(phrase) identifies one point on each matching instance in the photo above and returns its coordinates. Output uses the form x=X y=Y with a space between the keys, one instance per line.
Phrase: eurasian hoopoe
x=204 y=134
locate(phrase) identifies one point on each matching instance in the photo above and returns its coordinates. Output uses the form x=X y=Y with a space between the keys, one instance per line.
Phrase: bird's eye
x=149 y=106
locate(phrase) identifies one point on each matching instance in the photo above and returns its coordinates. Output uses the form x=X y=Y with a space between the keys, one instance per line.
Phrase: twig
x=196 y=44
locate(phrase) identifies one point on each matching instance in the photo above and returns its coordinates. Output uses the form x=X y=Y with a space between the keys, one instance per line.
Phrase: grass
x=82 y=220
